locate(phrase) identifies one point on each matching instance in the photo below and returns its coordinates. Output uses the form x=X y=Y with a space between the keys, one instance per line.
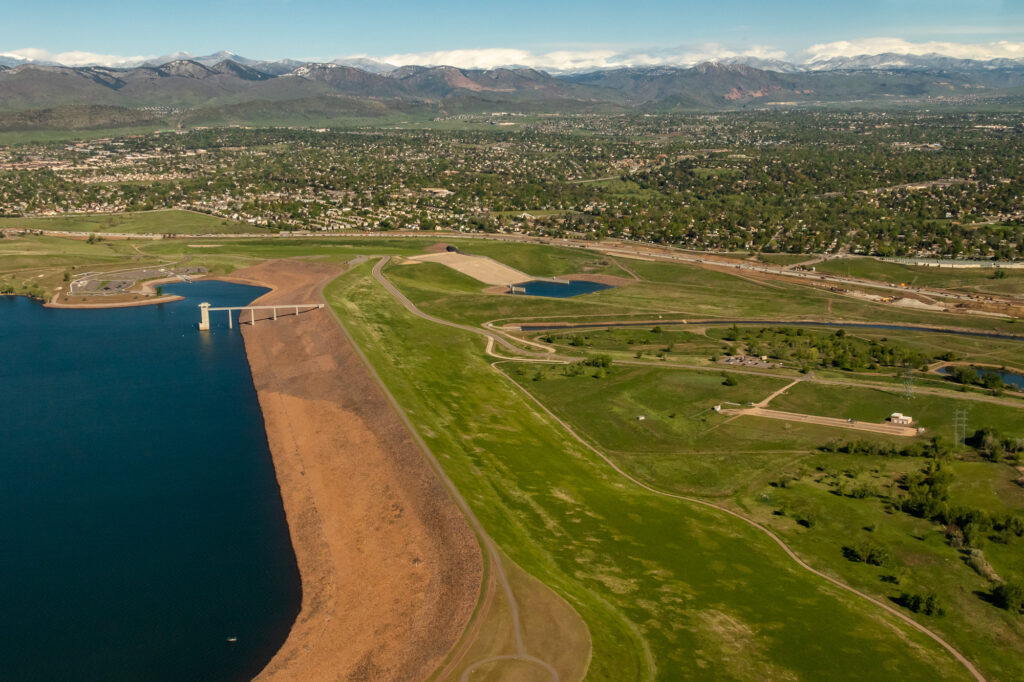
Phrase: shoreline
x=391 y=571
x=115 y=304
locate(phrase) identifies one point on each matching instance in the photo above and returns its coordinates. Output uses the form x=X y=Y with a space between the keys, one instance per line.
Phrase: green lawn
x=933 y=412
x=682 y=444
x=785 y=258
x=965 y=348
x=331 y=248
x=671 y=341
x=21 y=253
x=682 y=448
x=668 y=589
x=142 y=222
x=975 y=280
x=920 y=559
x=671 y=291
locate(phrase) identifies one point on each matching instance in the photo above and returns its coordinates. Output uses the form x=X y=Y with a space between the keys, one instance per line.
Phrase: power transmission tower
x=908 y=382
x=960 y=426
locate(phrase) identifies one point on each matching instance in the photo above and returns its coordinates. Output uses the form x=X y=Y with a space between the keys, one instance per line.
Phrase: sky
x=542 y=33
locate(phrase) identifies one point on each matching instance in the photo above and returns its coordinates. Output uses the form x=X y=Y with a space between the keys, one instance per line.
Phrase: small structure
x=901 y=419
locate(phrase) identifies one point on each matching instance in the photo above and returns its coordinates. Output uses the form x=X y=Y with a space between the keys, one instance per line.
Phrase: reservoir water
x=141 y=525
x=540 y=287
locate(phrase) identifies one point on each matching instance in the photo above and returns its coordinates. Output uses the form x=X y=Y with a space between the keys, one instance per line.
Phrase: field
x=696 y=593
x=590 y=466
x=762 y=467
x=667 y=292
x=784 y=258
x=141 y=222
x=973 y=280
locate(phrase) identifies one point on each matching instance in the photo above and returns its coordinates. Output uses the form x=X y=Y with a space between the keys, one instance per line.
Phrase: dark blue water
x=1011 y=378
x=540 y=287
x=140 y=520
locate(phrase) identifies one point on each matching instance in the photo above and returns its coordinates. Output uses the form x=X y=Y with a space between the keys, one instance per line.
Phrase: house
x=901 y=419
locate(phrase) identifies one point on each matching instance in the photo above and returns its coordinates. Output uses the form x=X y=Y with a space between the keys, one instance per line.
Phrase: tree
x=728 y=379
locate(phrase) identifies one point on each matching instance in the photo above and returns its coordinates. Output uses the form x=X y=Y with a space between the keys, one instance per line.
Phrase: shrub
x=928 y=604
x=1009 y=596
x=868 y=553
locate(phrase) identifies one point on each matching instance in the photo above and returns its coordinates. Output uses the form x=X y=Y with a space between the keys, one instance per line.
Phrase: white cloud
x=593 y=57
x=573 y=60
x=1002 y=49
x=74 y=58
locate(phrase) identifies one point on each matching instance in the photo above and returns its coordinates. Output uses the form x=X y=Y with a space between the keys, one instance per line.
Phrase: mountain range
x=883 y=61
x=225 y=88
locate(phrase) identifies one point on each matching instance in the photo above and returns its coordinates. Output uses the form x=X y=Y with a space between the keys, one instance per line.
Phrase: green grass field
x=784 y=258
x=142 y=222
x=682 y=448
x=673 y=292
x=875 y=405
x=669 y=590
x=974 y=280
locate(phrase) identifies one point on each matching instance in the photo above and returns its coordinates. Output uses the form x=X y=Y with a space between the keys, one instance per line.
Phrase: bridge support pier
x=204 y=313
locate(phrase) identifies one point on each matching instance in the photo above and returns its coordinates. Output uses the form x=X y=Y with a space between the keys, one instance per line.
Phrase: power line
x=960 y=425
x=908 y=382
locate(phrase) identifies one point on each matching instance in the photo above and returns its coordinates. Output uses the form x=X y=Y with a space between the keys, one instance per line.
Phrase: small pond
x=1010 y=378
x=551 y=289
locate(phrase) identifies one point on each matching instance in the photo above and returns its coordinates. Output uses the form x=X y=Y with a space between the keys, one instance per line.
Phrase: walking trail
x=495 y=338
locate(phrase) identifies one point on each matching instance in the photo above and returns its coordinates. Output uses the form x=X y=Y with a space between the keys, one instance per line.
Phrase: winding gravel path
x=492 y=549
x=495 y=338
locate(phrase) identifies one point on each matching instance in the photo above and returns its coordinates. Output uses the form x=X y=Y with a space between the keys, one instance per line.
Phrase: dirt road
x=886 y=429
x=492 y=337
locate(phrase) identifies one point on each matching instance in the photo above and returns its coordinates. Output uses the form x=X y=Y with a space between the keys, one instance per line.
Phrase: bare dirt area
x=482 y=268
x=390 y=569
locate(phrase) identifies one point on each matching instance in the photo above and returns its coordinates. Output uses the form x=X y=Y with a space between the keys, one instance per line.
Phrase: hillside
x=245 y=91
